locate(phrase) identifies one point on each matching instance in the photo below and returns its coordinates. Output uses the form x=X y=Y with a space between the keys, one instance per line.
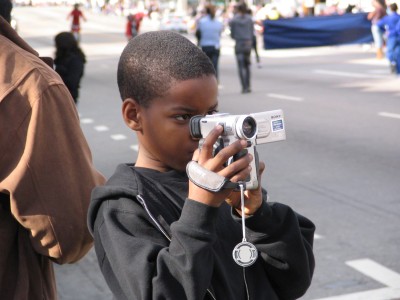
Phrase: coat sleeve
x=52 y=175
x=285 y=242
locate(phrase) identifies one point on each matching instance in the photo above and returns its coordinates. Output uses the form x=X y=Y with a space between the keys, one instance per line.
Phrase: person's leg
x=241 y=69
x=215 y=59
x=247 y=73
x=255 y=49
x=377 y=35
x=396 y=57
x=390 y=47
x=210 y=51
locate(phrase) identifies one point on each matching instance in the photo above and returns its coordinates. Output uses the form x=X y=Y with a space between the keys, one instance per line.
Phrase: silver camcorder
x=257 y=128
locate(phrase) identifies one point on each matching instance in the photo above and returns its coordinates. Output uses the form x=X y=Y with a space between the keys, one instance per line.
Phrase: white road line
x=135 y=148
x=389 y=115
x=347 y=74
x=378 y=294
x=376 y=271
x=317 y=236
x=118 y=137
x=87 y=121
x=285 y=97
x=101 y=128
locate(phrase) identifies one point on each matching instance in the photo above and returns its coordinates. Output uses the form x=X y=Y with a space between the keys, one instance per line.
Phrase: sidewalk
x=82 y=280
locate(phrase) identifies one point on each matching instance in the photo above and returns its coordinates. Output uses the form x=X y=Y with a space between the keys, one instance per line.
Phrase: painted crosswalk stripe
x=135 y=148
x=101 y=128
x=377 y=272
x=378 y=294
x=389 y=115
x=285 y=97
x=118 y=137
x=347 y=74
x=86 y=121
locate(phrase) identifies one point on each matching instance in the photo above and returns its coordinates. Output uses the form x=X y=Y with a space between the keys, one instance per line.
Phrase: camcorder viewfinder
x=256 y=129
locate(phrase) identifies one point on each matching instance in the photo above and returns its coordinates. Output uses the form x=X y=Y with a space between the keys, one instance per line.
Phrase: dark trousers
x=255 y=48
x=243 y=62
x=213 y=54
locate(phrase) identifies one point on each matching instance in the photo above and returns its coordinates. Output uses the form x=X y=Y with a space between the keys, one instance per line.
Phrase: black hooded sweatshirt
x=154 y=243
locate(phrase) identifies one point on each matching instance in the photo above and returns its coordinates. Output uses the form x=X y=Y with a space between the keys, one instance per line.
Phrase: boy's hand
x=239 y=170
x=252 y=198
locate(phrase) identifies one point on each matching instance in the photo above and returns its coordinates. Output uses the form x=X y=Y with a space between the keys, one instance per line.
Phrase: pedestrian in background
x=388 y=24
x=377 y=14
x=210 y=34
x=131 y=29
x=69 y=62
x=46 y=172
x=76 y=15
x=397 y=47
x=242 y=30
x=133 y=22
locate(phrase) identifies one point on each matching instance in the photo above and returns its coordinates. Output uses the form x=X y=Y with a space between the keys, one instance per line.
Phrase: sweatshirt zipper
x=143 y=203
x=152 y=217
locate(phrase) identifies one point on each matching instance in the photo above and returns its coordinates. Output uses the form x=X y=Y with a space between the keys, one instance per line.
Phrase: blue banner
x=317 y=31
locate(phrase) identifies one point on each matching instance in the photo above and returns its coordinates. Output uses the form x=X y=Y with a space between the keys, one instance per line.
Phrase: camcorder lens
x=249 y=127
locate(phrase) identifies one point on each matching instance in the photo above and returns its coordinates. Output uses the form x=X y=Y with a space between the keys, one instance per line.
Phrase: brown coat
x=46 y=173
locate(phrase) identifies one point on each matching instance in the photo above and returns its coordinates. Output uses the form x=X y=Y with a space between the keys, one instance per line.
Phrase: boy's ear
x=131 y=114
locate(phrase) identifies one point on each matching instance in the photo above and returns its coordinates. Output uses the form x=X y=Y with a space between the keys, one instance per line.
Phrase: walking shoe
x=393 y=68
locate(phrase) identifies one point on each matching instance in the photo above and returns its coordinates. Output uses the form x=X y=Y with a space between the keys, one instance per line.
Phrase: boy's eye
x=185 y=117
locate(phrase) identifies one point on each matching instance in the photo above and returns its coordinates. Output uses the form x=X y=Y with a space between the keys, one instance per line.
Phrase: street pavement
x=339 y=165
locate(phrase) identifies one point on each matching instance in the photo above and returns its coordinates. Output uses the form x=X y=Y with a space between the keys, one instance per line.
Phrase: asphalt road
x=340 y=164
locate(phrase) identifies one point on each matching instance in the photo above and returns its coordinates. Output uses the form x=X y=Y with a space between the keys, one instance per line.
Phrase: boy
x=160 y=236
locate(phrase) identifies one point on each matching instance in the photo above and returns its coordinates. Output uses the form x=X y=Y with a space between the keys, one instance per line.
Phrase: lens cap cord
x=244 y=254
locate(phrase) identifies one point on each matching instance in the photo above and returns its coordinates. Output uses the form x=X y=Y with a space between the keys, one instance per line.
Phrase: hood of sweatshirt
x=122 y=184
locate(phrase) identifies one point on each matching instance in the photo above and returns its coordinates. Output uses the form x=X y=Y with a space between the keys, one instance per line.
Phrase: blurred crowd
x=183 y=16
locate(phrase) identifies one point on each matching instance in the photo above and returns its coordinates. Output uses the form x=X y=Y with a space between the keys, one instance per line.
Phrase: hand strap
x=207 y=179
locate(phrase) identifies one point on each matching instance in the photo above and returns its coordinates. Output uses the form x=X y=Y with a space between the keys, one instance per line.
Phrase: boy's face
x=165 y=140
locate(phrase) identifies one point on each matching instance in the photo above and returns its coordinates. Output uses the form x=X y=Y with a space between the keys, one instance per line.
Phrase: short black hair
x=153 y=61
x=242 y=8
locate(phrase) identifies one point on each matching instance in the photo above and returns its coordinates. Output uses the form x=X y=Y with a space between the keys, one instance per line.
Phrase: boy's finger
x=239 y=169
x=230 y=151
x=242 y=175
x=207 y=147
x=196 y=155
x=261 y=168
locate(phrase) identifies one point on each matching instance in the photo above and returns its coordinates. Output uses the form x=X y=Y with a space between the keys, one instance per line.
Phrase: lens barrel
x=248 y=127
x=194 y=127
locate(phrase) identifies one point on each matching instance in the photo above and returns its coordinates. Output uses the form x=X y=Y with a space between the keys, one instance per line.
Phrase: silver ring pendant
x=245 y=254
